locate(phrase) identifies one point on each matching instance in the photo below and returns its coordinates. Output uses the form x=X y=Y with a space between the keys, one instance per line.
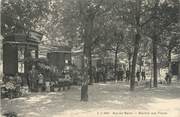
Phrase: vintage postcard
x=90 y=58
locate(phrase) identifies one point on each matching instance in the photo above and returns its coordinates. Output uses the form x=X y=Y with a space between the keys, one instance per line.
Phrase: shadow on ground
x=101 y=96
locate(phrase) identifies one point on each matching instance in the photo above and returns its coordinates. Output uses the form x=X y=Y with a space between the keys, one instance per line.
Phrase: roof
x=44 y=49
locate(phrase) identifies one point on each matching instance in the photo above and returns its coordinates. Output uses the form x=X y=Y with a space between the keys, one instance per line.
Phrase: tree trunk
x=115 y=63
x=178 y=71
x=129 y=61
x=84 y=88
x=136 y=45
x=1 y=57
x=155 y=43
x=87 y=58
x=90 y=66
x=141 y=64
x=155 y=61
x=135 y=53
x=169 y=64
x=169 y=60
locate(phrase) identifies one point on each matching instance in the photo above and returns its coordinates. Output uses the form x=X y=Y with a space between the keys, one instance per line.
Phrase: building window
x=33 y=54
x=66 y=61
x=21 y=60
x=21 y=67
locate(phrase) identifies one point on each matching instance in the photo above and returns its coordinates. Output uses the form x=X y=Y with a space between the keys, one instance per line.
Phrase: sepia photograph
x=90 y=58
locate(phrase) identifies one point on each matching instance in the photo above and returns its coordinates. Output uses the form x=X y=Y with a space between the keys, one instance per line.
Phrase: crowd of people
x=140 y=75
x=102 y=74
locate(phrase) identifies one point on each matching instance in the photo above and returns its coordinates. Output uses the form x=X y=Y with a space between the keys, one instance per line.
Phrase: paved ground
x=105 y=100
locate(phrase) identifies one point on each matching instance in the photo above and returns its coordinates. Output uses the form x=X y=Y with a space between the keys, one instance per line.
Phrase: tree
x=19 y=15
x=83 y=13
x=170 y=42
x=136 y=15
x=164 y=14
x=114 y=44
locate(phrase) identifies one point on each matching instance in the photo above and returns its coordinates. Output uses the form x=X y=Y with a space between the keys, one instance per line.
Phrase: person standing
x=118 y=74
x=170 y=77
x=167 y=78
x=33 y=77
x=143 y=75
x=94 y=74
x=127 y=75
x=104 y=73
x=121 y=73
x=98 y=75
x=40 y=82
x=138 y=75
x=18 y=83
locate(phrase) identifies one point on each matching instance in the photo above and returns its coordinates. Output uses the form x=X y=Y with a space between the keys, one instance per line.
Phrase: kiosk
x=18 y=50
x=60 y=57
